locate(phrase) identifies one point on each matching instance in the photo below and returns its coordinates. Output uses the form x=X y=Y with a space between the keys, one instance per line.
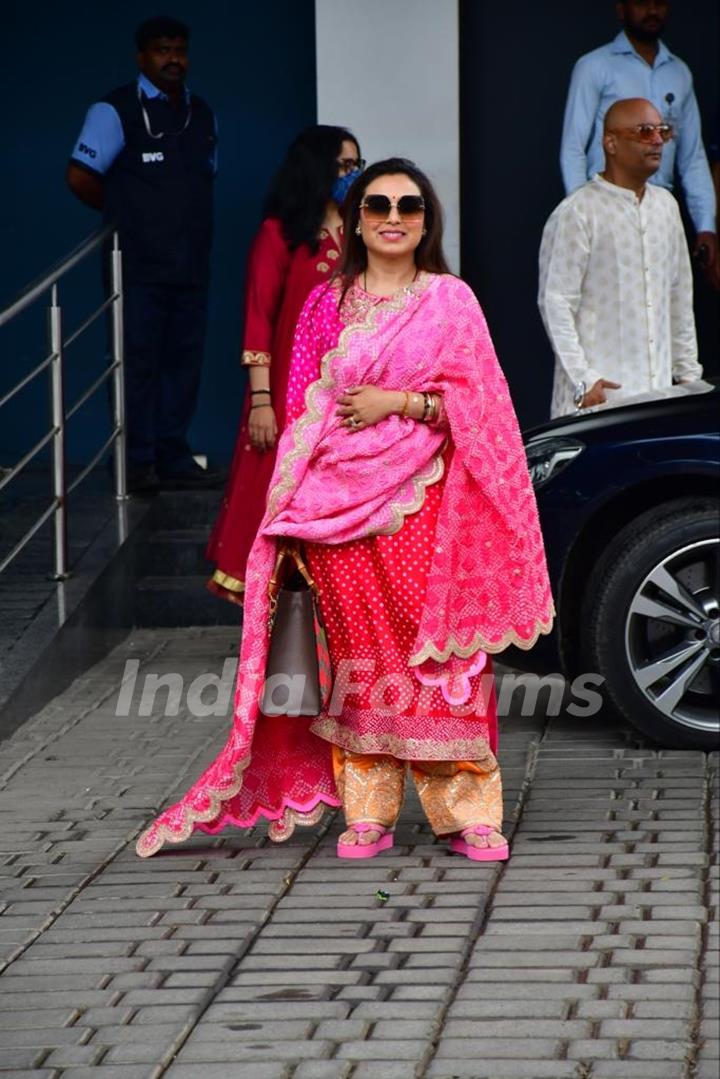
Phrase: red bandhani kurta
x=372 y=592
x=372 y=595
x=278 y=283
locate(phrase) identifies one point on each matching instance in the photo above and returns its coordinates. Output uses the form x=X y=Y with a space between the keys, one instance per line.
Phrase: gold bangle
x=405 y=414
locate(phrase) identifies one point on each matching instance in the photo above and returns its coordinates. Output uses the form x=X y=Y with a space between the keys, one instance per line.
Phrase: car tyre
x=614 y=634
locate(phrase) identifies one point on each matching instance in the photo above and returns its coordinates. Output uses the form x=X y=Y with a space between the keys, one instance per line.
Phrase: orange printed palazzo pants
x=454 y=794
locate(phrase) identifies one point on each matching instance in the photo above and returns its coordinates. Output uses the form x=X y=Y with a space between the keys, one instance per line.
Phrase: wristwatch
x=579 y=394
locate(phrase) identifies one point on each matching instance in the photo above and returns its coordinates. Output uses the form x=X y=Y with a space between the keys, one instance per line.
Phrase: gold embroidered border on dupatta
x=193 y=816
x=432 y=473
x=451 y=648
x=279 y=830
x=282 y=829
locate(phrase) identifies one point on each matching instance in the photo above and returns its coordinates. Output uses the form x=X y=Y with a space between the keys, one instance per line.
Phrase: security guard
x=146 y=156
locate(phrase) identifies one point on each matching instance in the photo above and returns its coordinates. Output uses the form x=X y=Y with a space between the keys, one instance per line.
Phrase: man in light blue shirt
x=637 y=64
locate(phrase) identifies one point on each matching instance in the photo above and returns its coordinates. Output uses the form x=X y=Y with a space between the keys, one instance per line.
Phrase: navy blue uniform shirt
x=158 y=162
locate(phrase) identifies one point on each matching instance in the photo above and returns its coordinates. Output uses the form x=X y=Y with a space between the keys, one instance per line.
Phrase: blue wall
x=254 y=63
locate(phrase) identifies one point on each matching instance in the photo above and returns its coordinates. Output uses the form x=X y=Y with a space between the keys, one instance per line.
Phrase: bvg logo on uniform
x=156 y=155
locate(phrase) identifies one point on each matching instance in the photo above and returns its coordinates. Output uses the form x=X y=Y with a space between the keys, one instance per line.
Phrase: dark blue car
x=629 y=504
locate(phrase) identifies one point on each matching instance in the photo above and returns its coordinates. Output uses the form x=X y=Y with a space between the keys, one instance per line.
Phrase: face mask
x=342 y=185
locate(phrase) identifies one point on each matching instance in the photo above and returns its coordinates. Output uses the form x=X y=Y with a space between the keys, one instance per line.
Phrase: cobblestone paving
x=591 y=954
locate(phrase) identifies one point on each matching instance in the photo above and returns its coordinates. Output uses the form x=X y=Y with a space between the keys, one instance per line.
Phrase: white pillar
x=388 y=70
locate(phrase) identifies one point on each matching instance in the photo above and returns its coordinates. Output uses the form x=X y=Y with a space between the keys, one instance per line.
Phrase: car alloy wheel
x=672 y=636
x=648 y=624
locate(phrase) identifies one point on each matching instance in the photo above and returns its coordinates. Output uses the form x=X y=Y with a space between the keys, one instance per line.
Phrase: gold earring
x=358 y=230
x=424 y=232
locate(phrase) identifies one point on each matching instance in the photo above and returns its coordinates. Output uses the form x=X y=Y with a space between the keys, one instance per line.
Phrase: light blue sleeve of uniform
x=581 y=109
x=100 y=140
x=692 y=166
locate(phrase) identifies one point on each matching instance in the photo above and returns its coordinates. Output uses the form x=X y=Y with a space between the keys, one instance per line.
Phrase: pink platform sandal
x=479 y=854
x=366 y=850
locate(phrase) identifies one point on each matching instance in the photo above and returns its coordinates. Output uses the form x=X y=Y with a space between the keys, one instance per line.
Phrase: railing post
x=57 y=407
x=118 y=382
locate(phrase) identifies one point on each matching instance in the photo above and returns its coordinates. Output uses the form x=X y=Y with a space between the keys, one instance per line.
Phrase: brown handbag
x=297 y=673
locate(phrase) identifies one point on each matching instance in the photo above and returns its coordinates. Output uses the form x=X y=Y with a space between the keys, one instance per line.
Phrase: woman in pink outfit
x=402 y=473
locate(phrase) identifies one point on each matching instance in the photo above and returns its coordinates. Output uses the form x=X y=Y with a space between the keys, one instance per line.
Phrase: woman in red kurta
x=295 y=249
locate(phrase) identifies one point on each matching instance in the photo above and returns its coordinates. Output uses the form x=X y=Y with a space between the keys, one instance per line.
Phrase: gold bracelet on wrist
x=405 y=414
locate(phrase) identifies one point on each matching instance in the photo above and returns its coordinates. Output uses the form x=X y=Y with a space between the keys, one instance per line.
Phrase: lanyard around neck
x=146 y=119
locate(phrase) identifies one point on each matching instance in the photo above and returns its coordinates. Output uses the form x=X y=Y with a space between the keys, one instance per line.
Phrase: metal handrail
x=11 y=473
x=87 y=322
x=96 y=460
x=59 y=413
x=24 y=381
x=43 y=284
x=90 y=391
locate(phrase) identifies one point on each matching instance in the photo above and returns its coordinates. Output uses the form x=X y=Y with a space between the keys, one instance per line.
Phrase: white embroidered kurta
x=616 y=292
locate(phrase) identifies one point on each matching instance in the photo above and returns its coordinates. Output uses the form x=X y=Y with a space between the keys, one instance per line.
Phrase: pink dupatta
x=488 y=586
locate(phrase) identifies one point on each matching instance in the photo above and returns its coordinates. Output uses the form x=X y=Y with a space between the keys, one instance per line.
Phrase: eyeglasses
x=350 y=164
x=645 y=132
x=378 y=207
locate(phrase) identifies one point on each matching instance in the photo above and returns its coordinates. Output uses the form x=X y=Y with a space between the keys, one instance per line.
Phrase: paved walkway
x=591 y=954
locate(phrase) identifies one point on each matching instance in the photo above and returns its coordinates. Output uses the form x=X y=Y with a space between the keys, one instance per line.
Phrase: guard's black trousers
x=164 y=339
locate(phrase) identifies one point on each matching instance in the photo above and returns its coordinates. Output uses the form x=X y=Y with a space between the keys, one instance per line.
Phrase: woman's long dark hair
x=429 y=254
x=300 y=191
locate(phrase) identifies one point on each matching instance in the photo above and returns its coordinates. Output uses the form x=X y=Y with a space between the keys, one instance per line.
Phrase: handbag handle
x=286 y=550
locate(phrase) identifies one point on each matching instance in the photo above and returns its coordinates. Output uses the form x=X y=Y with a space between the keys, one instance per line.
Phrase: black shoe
x=142 y=480
x=192 y=478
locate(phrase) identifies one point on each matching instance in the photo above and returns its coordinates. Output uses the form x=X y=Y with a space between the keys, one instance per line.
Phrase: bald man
x=615 y=281
x=639 y=64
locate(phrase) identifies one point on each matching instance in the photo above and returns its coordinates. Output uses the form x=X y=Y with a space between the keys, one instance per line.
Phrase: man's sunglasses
x=378 y=207
x=645 y=132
